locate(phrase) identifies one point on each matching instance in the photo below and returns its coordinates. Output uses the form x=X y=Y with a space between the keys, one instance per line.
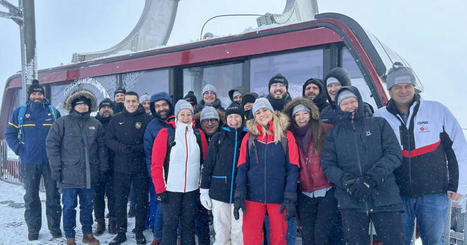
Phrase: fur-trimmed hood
x=280 y=124
x=81 y=93
x=304 y=101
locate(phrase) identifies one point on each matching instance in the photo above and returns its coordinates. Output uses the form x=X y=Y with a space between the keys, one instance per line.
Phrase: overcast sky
x=430 y=35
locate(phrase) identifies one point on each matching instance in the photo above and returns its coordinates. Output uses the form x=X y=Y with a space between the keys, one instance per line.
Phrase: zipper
x=265 y=167
x=409 y=152
x=233 y=167
x=358 y=157
x=186 y=157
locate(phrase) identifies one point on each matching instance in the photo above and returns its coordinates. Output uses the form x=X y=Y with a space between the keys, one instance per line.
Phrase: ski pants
x=228 y=230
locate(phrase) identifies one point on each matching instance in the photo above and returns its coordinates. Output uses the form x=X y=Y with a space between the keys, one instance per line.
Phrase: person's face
x=311 y=91
x=209 y=97
x=119 y=98
x=162 y=108
x=238 y=99
x=106 y=111
x=402 y=93
x=185 y=116
x=332 y=90
x=248 y=106
x=210 y=126
x=81 y=108
x=36 y=97
x=277 y=90
x=131 y=103
x=263 y=116
x=302 y=118
x=349 y=105
x=234 y=121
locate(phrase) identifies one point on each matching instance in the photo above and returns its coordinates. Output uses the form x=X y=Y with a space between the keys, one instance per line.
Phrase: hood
x=280 y=123
x=340 y=74
x=304 y=101
x=323 y=93
x=160 y=96
x=240 y=89
x=347 y=115
x=81 y=93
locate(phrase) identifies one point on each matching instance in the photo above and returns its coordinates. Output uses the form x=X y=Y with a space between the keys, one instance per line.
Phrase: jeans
x=33 y=212
x=69 y=200
x=155 y=213
x=430 y=211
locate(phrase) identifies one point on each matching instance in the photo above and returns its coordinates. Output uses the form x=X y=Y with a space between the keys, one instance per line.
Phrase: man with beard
x=162 y=108
x=124 y=137
x=104 y=186
x=25 y=134
x=119 y=98
x=313 y=89
x=278 y=92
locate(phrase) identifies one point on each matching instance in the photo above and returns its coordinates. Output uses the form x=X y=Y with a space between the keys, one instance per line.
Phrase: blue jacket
x=36 y=125
x=154 y=126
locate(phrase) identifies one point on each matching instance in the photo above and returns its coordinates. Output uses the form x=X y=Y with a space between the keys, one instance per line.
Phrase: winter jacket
x=124 y=136
x=265 y=172
x=424 y=169
x=37 y=121
x=105 y=123
x=279 y=104
x=217 y=104
x=362 y=146
x=154 y=126
x=176 y=163
x=220 y=167
x=76 y=150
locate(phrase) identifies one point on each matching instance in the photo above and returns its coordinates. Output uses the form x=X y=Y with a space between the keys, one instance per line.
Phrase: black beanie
x=278 y=78
x=106 y=102
x=119 y=90
x=80 y=100
x=35 y=87
x=191 y=98
x=234 y=108
x=249 y=98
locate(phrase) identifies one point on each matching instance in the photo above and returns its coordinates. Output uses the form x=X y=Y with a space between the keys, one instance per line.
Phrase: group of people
x=325 y=162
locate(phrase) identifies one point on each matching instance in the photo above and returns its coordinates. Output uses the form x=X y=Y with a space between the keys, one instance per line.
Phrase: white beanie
x=209 y=87
x=182 y=104
x=209 y=112
x=261 y=103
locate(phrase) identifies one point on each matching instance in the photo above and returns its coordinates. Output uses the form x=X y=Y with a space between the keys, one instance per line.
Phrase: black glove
x=360 y=188
x=289 y=204
x=162 y=197
x=57 y=176
x=239 y=203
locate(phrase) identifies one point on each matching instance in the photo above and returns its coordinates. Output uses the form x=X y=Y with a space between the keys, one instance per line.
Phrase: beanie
x=344 y=95
x=400 y=74
x=106 y=102
x=209 y=87
x=234 y=108
x=182 y=104
x=278 y=78
x=261 y=103
x=79 y=101
x=300 y=107
x=332 y=80
x=209 y=112
x=119 y=90
x=144 y=97
x=249 y=98
x=35 y=87
x=191 y=98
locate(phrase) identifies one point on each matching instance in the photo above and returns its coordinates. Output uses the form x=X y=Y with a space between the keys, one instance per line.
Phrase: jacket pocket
x=219 y=178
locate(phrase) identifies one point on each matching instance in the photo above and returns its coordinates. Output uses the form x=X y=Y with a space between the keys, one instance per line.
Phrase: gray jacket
x=76 y=151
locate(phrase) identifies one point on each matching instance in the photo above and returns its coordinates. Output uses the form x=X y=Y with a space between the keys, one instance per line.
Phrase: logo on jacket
x=27 y=115
x=138 y=125
x=92 y=128
x=121 y=123
x=424 y=129
x=368 y=133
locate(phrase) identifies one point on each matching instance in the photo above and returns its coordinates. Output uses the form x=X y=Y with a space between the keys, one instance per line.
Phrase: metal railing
x=10 y=171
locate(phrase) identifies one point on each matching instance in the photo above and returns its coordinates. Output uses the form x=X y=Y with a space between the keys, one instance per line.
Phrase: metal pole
x=28 y=44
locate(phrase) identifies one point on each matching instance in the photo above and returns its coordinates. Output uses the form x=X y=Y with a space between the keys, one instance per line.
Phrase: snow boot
x=70 y=241
x=112 y=227
x=56 y=233
x=100 y=228
x=156 y=241
x=140 y=239
x=119 y=239
x=90 y=239
x=33 y=235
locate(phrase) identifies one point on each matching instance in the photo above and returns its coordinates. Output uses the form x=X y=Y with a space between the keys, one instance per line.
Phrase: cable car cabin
x=299 y=51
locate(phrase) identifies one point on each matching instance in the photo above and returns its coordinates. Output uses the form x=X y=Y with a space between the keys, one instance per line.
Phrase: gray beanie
x=209 y=87
x=300 y=107
x=332 y=80
x=400 y=74
x=182 y=104
x=144 y=97
x=209 y=112
x=344 y=95
x=261 y=103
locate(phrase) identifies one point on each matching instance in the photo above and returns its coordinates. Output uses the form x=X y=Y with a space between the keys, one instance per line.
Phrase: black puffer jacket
x=358 y=147
x=105 y=123
x=124 y=136
x=76 y=151
x=220 y=166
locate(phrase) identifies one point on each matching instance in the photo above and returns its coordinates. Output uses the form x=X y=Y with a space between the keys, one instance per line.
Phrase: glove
x=205 y=199
x=162 y=197
x=239 y=203
x=360 y=188
x=289 y=205
x=57 y=176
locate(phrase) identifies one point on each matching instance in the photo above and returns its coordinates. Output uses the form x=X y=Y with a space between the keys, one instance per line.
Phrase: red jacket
x=311 y=175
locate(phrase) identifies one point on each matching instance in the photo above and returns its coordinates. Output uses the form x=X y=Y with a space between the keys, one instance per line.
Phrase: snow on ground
x=13 y=229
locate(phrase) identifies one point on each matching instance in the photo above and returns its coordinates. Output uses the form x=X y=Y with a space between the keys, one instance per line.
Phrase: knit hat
x=35 y=87
x=278 y=78
x=300 y=107
x=400 y=74
x=209 y=112
x=119 y=90
x=234 y=108
x=106 y=102
x=344 y=95
x=182 y=104
x=144 y=97
x=261 y=103
x=332 y=80
x=249 y=98
x=209 y=87
x=191 y=98
x=81 y=100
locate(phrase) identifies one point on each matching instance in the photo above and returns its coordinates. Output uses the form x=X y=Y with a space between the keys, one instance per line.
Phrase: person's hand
x=289 y=205
x=205 y=199
x=454 y=195
x=162 y=197
x=239 y=203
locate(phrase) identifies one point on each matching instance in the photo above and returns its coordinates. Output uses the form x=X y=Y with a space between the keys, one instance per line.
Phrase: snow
x=13 y=229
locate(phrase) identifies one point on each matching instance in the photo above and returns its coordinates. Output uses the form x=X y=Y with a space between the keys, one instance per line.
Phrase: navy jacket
x=358 y=147
x=36 y=125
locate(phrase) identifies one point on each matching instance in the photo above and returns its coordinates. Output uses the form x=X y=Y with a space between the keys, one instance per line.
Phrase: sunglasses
x=209 y=93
